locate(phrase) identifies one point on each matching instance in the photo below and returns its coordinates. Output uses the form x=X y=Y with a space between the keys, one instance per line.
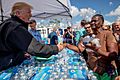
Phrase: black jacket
x=15 y=40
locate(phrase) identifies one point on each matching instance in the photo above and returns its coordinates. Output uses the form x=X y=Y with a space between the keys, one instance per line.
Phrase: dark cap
x=32 y=21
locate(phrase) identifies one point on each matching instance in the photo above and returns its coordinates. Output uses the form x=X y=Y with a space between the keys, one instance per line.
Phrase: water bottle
x=91 y=76
x=86 y=40
x=96 y=41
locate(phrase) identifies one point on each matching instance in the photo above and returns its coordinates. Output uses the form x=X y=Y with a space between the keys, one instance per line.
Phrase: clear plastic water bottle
x=91 y=76
x=96 y=41
x=86 y=40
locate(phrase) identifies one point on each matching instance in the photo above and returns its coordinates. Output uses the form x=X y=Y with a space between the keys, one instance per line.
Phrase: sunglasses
x=94 y=20
x=87 y=27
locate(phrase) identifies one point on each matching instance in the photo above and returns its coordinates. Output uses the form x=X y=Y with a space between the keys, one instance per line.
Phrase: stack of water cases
x=66 y=65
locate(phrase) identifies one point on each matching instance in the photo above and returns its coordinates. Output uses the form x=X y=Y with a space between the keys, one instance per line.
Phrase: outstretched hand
x=60 y=46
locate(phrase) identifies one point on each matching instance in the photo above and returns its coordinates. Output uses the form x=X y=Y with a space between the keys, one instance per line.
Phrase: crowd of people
x=98 y=43
x=101 y=59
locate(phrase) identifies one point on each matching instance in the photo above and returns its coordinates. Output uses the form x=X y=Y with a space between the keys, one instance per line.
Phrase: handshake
x=61 y=46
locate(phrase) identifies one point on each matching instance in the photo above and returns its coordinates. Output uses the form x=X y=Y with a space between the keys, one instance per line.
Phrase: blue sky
x=110 y=9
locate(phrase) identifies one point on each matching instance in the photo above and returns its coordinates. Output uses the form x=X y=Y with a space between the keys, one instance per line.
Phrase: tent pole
x=66 y=8
x=1 y=11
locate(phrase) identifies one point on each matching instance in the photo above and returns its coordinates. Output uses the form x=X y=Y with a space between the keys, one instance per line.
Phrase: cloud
x=118 y=18
x=107 y=22
x=110 y=3
x=74 y=11
x=115 y=12
x=87 y=13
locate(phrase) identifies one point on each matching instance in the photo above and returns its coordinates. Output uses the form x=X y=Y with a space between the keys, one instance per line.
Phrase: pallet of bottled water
x=66 y=65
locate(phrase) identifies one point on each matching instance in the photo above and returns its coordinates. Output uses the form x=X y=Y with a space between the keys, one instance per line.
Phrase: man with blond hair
x=15 y=40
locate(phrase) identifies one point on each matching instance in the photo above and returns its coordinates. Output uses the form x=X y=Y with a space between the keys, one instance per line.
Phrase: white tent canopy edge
x=41 y=8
